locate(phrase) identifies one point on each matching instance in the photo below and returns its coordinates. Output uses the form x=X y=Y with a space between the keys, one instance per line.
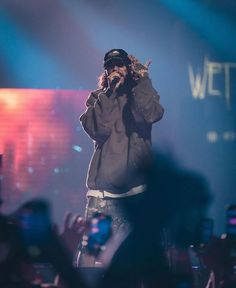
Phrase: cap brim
x=114 y=59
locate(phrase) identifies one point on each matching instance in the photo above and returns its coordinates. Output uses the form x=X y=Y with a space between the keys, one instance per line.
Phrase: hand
x=138 y=69
x=115 y=80
x=73 y=231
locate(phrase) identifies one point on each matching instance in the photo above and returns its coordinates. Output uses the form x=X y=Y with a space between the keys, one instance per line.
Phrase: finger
x=81 y=229
x=117 y=85
x=115 y=73
x=130 y=56
x=67 y=220
x=76 y=220
x=133 y=59
x=147 y=64
x=80 y=224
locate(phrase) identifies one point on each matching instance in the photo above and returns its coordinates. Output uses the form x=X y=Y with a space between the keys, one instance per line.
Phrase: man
x=119 y=119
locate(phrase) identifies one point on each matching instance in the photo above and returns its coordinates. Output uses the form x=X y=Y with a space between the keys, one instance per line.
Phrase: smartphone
x=34 y=222
x=99 y=231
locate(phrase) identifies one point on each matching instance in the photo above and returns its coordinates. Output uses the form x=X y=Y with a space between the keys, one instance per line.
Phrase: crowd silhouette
x=171 y=242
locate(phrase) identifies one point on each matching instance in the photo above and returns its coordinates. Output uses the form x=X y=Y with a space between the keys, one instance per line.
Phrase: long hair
x=102 y=81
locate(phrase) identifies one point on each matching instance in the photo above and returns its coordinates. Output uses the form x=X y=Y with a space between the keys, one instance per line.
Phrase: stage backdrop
x=45 y=152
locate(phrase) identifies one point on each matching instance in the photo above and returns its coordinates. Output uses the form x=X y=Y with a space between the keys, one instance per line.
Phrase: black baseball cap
x=116 y=56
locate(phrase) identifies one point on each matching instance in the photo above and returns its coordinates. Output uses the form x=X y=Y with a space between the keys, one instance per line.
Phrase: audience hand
x=74 y=227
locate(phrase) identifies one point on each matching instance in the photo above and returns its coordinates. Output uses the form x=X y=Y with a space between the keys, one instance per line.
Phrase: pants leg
x=112 y=207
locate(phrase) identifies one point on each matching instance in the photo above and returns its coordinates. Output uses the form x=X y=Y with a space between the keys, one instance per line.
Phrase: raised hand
x=137 y=68
x=73 y=230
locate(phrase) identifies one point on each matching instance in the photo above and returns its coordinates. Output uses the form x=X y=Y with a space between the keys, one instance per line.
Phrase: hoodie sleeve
x=98 y=118
x=145 y=105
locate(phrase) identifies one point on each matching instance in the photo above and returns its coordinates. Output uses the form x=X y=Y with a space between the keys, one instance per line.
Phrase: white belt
x=103 y=193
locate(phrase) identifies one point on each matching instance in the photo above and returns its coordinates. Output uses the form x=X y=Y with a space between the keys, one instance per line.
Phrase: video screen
x=44 y=149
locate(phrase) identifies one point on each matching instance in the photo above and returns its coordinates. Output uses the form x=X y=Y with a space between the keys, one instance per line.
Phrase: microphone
x=112 y=81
